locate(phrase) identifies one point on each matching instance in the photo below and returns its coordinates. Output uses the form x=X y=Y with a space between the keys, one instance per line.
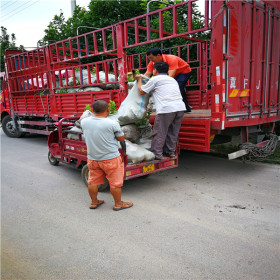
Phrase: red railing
x=58 y=68
x=155 y=26
x=98 y=42
x=196 y=54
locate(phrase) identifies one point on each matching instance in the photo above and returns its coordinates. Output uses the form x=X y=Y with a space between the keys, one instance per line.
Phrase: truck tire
x=52 y=159
x=9 y=127
x=84 y=174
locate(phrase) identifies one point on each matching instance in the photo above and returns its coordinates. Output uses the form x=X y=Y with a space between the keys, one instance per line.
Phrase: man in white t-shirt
x=169 y=109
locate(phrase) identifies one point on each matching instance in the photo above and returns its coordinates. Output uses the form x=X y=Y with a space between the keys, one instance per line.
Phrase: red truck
x=234 y=88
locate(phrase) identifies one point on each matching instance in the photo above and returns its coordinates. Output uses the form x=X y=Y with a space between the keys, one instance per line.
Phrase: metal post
x=148 y=10
x=86 y=27
x=73 y=5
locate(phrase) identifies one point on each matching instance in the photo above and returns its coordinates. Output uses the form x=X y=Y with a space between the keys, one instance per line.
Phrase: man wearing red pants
x=102 y=136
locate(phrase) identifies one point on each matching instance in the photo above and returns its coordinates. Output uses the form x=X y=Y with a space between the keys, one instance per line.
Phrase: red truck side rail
x=234 y=82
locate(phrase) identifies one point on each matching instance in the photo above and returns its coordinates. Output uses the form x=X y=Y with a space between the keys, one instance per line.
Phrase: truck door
x=251 y=37
x=4 y=96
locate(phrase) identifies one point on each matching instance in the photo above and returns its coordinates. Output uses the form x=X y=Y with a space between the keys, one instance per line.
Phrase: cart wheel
x=84 y=174
x=52 y=159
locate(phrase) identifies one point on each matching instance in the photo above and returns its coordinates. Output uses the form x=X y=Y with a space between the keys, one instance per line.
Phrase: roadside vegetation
x=222 y=150
x=7 y=41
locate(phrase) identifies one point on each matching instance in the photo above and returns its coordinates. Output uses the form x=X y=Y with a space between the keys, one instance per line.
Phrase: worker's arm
x=172 y=73
x=122 y=142
x=148 y=74
x=120 y=138
x=139 y=79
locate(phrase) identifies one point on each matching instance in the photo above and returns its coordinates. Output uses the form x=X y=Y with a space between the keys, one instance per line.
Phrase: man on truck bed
x=179 y=69
x=169 y=109
x=102 y=136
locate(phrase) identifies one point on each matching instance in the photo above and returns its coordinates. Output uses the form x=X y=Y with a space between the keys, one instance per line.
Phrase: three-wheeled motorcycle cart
x=74 y=152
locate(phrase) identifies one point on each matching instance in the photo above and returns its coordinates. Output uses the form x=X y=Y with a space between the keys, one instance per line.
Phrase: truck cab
x=4 y=97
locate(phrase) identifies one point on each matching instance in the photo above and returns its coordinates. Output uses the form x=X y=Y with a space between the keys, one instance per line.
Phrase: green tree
x=60 y=29
x=101 y=13
x=7 y=42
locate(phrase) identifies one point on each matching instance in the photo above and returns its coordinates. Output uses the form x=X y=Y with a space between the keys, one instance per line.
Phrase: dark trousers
x=165 y=133
x=182 y=80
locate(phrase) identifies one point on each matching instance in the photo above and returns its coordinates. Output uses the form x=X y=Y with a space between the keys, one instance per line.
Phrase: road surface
x=210 y=218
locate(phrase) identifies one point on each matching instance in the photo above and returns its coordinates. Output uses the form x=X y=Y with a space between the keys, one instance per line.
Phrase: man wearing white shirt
x=169 y=109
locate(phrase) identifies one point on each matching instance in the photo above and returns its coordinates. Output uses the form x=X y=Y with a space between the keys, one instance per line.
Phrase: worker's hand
x=138 y=77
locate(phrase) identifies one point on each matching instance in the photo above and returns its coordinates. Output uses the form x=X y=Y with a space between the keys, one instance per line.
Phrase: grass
x=275 y=158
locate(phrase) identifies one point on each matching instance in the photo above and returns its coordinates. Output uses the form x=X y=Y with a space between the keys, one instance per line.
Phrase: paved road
x=208 y=219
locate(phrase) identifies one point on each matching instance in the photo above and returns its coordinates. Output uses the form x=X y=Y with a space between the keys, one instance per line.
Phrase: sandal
x=125 y=205
x=94 y=206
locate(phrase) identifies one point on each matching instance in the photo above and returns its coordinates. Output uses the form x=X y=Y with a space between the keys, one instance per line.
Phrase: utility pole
x=73 y=5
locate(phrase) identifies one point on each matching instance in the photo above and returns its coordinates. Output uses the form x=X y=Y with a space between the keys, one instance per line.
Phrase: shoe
x=158 y=158
x=170 y=155
x=94 y=206
x=125 y=205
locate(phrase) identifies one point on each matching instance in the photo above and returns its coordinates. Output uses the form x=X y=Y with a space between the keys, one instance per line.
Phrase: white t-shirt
x=166 y=93
x=100 y=136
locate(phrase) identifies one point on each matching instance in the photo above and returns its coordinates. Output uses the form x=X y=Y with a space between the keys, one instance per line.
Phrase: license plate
x=148 y=168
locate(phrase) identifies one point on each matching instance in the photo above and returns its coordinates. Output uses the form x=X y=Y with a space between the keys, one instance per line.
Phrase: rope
x=260 y=153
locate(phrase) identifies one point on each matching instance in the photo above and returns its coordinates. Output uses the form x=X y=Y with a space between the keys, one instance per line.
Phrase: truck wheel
x=9 y=127
x=84 y=174
x=52 y=159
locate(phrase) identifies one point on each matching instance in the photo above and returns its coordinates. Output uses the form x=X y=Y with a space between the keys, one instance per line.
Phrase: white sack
x=134 y=107
x=131 y=132
x=71 y=82
x=74 y=136
x=72 y=90
x=145 y=143
x=102 y=77
x=130 y=85
x=113 y=117
x=146 y=131
x=83 y=77
x=146 y=135
x=85 y=114
x=136 y=154
x=87 y=89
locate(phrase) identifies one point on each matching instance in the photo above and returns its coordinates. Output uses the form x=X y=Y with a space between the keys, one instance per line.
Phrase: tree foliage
x=7 y=42
x=102 y=13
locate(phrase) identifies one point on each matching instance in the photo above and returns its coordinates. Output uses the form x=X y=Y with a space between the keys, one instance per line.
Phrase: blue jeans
x=182 y=80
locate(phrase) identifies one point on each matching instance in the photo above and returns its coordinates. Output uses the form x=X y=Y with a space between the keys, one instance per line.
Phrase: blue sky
x=28 y=18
